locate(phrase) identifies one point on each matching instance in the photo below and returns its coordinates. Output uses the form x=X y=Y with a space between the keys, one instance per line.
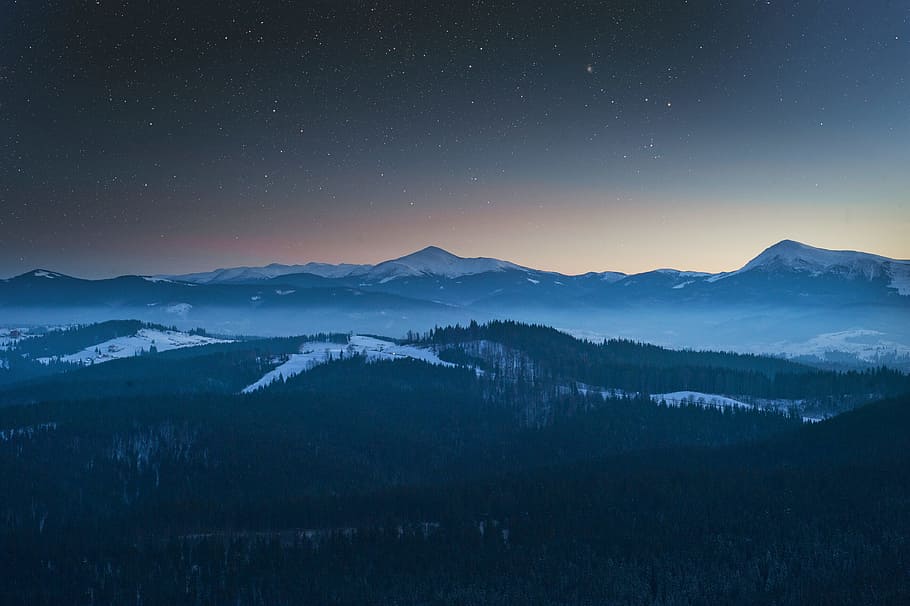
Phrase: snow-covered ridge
x=274 y=270
x=794 y=256
x=681 y=273
x=784 y=257
x=43 y=273
x=612 y=276
x=802 y=257
x=133 y=345
x=314 y=353
x=434 y=261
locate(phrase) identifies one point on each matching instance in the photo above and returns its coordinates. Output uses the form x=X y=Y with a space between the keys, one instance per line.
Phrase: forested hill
x=528 y=367
x=397 y=482
x=497 y=464
x=551 y=356
x=541 y=341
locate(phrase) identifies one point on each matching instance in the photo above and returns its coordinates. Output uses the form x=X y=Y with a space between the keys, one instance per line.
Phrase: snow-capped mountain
x=785 y=258
x=37 y=276
x=786 y=269
x=434 y=261
x=794 y=257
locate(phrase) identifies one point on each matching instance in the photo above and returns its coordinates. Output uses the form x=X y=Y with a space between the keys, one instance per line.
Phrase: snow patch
x=611 y=276
x=10 y=336
x=28 y=431
x=41 y=273
x=314 y=353
x=681 y=398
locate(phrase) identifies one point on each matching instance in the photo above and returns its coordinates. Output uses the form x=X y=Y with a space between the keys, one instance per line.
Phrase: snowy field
x=141 y=342
x=313 y=354
x=870 y=346
x=681 y=398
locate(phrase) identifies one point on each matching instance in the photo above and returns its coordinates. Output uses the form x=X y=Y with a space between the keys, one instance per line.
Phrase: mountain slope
x=794 y=257
x=434 y=261
x=239 y=275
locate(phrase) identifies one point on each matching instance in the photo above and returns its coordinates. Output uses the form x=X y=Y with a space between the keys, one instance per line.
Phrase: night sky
x=151 y=137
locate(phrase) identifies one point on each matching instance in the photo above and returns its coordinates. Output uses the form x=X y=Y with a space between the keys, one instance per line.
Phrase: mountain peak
x=431 y=252
x=435 y=261
x=793 y=255
x=790 y=245
x=42 y=273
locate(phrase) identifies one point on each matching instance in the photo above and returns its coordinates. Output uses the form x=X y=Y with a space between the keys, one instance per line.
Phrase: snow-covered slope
x=606 y=276
x=133 y=345
x=314 y=353
x=252 y=274
x=869 y=346
x=43 y=273
x=679 y=398
x=37 y=275
x=791 y=256
x=434 y=261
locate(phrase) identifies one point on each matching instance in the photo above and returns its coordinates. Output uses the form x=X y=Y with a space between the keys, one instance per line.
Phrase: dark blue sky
x=173 y=136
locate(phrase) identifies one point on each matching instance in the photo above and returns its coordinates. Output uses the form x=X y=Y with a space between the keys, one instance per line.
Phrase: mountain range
x=432 y=261
x=792 y=298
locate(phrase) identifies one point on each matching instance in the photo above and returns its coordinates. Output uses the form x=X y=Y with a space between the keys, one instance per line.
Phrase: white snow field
x=680 y=398
x=314 y=353
x=141 y=342
x=867 y=345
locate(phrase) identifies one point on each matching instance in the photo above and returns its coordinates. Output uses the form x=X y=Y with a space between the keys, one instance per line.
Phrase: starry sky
x=172 y=136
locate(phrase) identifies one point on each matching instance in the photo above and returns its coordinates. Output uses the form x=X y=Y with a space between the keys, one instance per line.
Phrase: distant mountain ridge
x=273 y=270
x=787 y=272
x=842 y=307
x=432 y=261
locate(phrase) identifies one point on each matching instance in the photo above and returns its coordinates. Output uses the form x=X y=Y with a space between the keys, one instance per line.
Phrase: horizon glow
x=570 y=138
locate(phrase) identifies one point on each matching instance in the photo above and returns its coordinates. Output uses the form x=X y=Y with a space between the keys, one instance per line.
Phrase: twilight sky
x=170 y=136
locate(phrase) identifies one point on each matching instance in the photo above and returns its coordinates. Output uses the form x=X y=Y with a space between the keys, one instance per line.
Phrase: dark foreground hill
x=398 y=482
